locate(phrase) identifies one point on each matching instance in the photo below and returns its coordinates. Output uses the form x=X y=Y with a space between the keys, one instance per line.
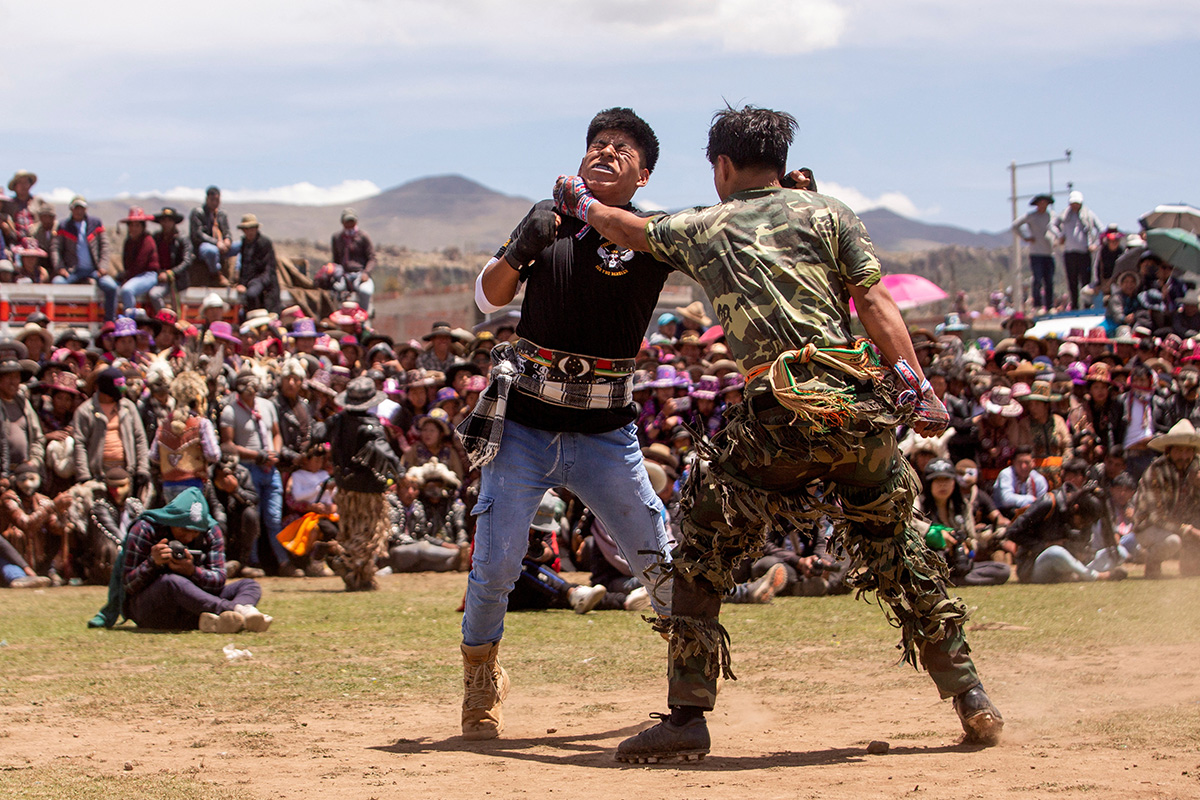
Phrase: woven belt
x=562 y=367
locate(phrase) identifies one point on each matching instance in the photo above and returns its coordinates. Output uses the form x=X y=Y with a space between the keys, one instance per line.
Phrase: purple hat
x=219 y=329
x=445 y=394
x=124 y=326
x=1078 y=372
x=733 y=382
x=392 y=387
x=707 y=388
x=665 y=377
x=304 y=328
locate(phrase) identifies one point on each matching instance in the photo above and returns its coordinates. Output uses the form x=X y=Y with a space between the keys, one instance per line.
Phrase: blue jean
x=269 y=485
x=10 y=573
x=1043 y=280
x=1056 y=564
x=210 y=254
x=135 y=287
x=108 y=287
x=604 y=470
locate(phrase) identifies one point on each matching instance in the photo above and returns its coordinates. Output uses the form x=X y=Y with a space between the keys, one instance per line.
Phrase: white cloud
x=316 y=31
x=1052 y=30
x=59 y=195
x=297 y=194
x=858 y=201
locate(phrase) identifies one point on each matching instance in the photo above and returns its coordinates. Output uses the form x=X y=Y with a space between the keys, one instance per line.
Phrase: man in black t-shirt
x=559 y=410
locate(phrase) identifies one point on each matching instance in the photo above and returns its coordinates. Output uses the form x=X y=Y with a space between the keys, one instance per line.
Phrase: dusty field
x=1102 y=717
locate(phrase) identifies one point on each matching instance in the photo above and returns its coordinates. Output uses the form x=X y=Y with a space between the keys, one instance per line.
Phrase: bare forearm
x=880 y=316
x=499 y=282
x=619 y=226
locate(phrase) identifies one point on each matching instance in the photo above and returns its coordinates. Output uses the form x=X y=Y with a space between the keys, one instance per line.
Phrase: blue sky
x=915 y=105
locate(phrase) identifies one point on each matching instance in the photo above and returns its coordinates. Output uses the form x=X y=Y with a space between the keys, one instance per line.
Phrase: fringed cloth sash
x=821 y=406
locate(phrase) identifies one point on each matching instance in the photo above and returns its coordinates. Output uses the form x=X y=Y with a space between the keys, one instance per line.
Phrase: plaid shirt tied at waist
x=552 y=376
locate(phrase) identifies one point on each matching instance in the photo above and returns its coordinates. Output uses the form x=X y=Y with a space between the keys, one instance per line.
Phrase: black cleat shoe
x=981 y=721
x=666 y=742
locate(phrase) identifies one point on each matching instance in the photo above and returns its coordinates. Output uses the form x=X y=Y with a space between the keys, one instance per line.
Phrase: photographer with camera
x=175 y=573
x=1053 y=538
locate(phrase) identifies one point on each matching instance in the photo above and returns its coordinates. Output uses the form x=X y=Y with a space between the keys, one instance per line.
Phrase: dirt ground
x=1071 y=730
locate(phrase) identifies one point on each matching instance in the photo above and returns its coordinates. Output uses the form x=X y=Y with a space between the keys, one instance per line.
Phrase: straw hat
x=1182 y=434
x=694 y=312
x=248 y=221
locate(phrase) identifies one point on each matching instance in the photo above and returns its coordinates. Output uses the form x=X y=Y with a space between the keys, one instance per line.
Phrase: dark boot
x=981 y=721
x=666 y=741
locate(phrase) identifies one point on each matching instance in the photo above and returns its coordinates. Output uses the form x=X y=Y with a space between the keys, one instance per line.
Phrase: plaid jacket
x=141 y=571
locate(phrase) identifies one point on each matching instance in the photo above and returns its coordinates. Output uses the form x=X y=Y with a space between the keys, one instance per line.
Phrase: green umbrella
x=1179 y=248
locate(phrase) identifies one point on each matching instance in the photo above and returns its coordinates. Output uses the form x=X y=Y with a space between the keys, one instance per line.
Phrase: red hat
x=712 y=334
x=1096 y=336
x=136 y=214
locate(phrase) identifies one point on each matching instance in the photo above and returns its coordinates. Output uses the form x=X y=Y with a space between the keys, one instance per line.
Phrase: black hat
x=168 y=213
x=439 y=329
x=360 y=395
x=1048 y=198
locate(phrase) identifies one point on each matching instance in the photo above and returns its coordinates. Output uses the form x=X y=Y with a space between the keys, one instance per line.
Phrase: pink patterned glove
x=571 y=196
x=929 y=409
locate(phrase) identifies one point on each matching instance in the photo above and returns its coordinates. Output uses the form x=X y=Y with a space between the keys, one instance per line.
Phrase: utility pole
x=1018 y=289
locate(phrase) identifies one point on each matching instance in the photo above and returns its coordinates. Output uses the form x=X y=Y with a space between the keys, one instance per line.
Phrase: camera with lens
x=179 y=551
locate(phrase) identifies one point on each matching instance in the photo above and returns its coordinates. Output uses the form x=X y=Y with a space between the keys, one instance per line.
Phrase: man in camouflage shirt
x=815 y=435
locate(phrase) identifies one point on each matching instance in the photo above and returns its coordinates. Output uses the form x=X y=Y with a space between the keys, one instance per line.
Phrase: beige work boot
x=485 y=685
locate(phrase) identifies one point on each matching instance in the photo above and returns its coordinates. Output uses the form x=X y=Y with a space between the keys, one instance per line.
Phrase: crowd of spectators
x=1065 y=456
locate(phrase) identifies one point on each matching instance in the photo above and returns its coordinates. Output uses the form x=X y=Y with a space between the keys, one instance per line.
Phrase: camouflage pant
x=362 y=530
x=762 y=469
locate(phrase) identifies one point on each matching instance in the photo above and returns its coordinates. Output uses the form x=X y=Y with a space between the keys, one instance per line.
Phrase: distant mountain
x=896 y=234
x=426 y=214
x=443 y=211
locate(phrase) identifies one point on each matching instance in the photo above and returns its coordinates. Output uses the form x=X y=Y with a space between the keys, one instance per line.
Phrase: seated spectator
x=434 y=442
x=951 y=532
x=175 y=573
x=353 y=251
x=445 y=515
x=32 y=524
x=15 y=572
x=1053 y=540
x=1168 y=499
x=110 y=433
x=539 y=585
x=112 y=514
x=212 y=243
x=412 y=545
x=232 y=496
x=1019 y=484
x=257 y=279
x=83 y=254
x=175 y=259
x=310 y=490
x=140 y=259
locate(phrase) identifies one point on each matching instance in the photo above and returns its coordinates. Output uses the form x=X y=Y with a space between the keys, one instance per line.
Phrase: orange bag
x=297 y=538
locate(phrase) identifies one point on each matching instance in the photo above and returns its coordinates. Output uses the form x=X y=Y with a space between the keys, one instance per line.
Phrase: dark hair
x=1076 y=466
x=1086 y=504
x=1022 y=450
x=751 y=137
x=624 y=120
x=211 y=190
x=1125 y=481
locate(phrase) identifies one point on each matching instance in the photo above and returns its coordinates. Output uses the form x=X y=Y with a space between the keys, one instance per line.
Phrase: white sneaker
x=584 y=598
x=225 y=622
x=638 y=600
x=255 y=620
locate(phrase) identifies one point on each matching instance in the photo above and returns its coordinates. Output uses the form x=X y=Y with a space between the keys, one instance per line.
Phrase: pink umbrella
x=910 y=291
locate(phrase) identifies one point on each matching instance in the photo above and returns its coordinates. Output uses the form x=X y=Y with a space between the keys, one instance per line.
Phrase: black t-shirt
x=585 y=295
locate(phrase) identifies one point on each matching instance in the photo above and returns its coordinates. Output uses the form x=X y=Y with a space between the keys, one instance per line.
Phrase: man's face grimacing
x=613 y=167
x=1022 y=465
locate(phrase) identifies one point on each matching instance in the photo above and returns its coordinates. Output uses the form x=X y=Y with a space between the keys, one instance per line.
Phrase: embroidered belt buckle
x=563 y=367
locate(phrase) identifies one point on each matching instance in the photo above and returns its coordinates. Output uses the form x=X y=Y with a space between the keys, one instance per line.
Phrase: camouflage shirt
x=775 y=264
